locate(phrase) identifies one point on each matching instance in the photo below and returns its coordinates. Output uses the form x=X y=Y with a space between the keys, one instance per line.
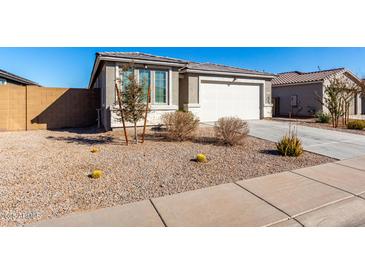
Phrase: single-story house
x=7 y=78
x=208 y=90
x=298 y=93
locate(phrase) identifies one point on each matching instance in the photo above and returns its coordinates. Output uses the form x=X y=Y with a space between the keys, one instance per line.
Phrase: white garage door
x=223 y=99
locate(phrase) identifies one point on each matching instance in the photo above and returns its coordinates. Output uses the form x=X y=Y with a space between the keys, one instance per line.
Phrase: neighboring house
x=299 y=93
x=7 y=78
x=210 y=91
x=363 y=99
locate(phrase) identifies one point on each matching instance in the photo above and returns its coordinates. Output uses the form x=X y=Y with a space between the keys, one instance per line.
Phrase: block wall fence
x=33 y=107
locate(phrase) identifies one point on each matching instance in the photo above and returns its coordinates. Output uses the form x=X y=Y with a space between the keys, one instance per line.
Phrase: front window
x=145 y=80
x=160 y=87
x=2 y=81
x=156 y=80
x=125 y=78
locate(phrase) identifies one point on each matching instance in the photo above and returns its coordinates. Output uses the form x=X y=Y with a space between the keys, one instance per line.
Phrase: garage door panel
x=221 y=100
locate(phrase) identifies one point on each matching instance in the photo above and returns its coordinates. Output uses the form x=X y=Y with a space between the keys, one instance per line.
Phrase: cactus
x=94 y=149
x=96 y=174
x=201 y=158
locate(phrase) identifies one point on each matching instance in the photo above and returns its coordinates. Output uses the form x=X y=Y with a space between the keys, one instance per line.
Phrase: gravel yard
x=45 y=173
x=329 y=126
x=311 y=122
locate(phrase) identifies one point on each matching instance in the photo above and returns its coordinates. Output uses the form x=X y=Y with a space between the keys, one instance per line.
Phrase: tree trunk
x=135 y=133
x=337 y=117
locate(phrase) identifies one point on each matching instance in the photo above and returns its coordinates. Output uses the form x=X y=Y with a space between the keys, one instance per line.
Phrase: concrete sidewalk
x=325 y=195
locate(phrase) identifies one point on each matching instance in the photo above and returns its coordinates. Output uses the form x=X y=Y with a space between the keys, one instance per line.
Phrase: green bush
x=323 y=117
x=290 y=145
x=356 y=124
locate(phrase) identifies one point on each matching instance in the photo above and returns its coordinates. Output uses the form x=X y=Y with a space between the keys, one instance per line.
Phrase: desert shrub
x=356 y=124
x=180 y=125
x=231 y=130
x=290 y=144
x=323 y=117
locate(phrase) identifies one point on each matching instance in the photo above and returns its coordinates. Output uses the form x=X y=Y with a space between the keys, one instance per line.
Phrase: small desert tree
x=361 y=89
x=133 y=100
x=337 y=98
x=333 y=100
x=350 y=91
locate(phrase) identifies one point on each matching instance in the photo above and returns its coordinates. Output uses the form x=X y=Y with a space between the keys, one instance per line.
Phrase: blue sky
x=71 y=67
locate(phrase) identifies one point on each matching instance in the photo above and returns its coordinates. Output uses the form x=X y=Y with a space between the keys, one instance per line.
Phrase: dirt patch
x=44 y=174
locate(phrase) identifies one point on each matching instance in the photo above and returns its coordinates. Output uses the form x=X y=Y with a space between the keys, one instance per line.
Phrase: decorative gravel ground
x=44 y=174
x=311 y=122
x=329 y=126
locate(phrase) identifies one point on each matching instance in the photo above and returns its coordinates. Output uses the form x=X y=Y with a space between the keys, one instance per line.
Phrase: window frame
x=166 y=86
x=152 y=70
x=121 y=75
x=150 y=80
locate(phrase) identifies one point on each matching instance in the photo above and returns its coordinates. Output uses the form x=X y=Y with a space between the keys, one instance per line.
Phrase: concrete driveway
x=335 y=144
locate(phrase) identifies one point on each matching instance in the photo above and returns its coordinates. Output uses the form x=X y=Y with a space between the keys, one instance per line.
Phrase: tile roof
x=186 y=65
x=141 y=56
x=16 y=78
x=223 y=68
x=183 y=64
x=294 y=77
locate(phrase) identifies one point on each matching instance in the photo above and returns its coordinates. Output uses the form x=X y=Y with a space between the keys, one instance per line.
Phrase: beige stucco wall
x=110 y=84
x=100 y=84
x=183 y=91
x=307 y=98
x=189 y=89
x=193 y=88
x=355 y=103
x=268 y=92
x=175 y=87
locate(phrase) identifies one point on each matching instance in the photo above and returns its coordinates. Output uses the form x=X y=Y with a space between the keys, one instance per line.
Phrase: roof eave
x=269 y=76
x=141 y=61
x=297 y=84
x=19 y=80
x=355 y=78
x=93 y=72
x=129 y=60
